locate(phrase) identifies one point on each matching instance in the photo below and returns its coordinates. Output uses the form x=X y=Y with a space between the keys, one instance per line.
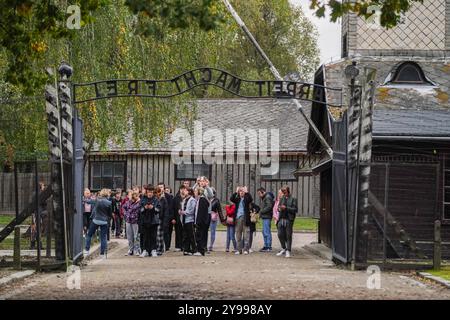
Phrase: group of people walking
x=152 y=214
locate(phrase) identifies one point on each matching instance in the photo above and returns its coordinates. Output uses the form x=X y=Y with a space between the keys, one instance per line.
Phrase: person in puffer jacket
x=150 y=220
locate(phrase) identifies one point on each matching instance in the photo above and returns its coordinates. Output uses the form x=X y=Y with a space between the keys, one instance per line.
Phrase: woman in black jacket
x=150 y=220
x=202 y=220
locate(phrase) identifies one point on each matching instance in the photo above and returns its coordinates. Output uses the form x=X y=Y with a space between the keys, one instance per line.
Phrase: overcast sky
x=329 y=33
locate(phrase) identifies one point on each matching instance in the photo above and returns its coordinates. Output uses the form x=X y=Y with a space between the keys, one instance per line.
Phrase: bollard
x=17 y=264
x=437 y=246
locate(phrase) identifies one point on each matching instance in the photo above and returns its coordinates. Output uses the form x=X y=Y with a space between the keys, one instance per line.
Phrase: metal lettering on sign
x=254 y=89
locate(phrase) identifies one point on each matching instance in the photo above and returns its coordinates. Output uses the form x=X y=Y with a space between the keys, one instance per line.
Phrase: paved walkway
x=221 y=276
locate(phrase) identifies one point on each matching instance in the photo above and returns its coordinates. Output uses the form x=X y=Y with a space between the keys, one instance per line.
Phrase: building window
x=285 y=171
x=446 y=177
x=191 y=171
x=107 y=174
x=409 y=73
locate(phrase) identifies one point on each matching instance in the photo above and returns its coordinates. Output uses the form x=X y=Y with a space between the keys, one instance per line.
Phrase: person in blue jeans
x=265 y=213
x=216 y=217
x=102 y=213
x=231 y=214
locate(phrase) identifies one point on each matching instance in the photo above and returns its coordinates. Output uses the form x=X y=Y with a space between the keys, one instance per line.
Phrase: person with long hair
x=163 y=213
x=187 y=213
x=178 y=199
x=131 y=209
x=216 y=217
x=230 y=210
x=287 y=208
x=87 y=210
x=202 y=220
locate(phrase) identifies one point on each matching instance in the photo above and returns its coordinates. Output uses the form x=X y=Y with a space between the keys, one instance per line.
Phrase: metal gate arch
x=204 y=76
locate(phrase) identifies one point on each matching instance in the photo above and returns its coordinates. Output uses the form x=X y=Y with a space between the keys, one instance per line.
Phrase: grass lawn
x=443 y=273
x=300 y=224
x=8 y=244
x=5 y=219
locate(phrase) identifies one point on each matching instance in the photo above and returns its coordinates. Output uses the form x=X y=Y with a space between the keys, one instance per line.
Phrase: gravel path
x=221 y=276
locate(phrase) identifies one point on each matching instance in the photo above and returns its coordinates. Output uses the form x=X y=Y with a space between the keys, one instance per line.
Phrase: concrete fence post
x=17 y=263
x=437 y=245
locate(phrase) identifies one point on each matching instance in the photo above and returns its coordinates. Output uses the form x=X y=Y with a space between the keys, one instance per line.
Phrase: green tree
x=391 y=10
x=116 y=43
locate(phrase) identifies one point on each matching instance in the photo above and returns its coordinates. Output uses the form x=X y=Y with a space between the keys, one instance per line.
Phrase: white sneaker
x=177 y=249
x=245 y=252
x=85 y=253
x=197 y=254
x=283 y=251
x=250 y=251
x=144 y=254
x=154 y=253
x=103 y=256
x=288 y=254
x=237 y=253
x=129 y=253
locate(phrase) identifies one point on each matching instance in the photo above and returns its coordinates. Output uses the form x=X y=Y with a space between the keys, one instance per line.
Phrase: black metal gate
x=78 y=185
x=403 y=197
x=339 y=191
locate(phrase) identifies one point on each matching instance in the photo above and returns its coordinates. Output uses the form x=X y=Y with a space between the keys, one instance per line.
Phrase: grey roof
x=425 y=123
x=403 y=110
x=242 y=114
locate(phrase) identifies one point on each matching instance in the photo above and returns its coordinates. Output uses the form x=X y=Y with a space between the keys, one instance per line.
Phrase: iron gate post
x=65 y=141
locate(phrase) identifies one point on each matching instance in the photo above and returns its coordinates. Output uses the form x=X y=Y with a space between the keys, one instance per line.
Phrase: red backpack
x=230 y=209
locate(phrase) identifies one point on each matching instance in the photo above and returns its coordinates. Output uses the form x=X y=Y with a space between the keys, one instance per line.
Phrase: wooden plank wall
x=153 y=168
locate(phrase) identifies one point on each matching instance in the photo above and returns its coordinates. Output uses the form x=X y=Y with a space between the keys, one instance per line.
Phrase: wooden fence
x=26 y=188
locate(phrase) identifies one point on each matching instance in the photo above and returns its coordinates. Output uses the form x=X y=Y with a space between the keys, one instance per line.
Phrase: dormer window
x=409 y=73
